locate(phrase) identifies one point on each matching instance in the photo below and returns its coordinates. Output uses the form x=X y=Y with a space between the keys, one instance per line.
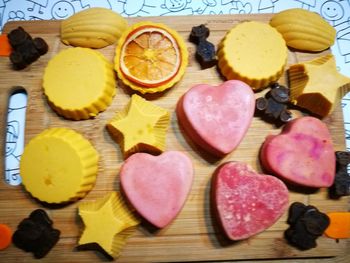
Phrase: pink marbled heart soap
x=302 y=153
x=217 y=117
x=157 y=186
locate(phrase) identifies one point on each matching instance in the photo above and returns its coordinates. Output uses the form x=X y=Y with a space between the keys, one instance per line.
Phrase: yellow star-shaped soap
x=108 y=223
x=314 y=85
x=140 y=127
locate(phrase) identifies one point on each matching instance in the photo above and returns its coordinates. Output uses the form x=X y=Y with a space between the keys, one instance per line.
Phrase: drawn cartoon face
x=332 y=10
x=176 y=5
x=62 y=10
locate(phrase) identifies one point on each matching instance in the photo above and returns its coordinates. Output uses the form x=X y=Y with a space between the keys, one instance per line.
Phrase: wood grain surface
x=193 y=236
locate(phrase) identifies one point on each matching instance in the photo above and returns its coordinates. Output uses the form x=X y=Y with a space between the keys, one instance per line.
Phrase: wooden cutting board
x=193 y=236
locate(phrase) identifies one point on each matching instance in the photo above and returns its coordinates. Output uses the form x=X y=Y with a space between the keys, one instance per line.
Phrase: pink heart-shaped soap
x=246 y=202
x=157 y=186
x=217 y=117
x=302 y=153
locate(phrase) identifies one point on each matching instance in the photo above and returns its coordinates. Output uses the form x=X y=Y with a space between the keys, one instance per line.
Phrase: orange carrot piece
x=339 y=226
x=5 y=236
x=5 y=47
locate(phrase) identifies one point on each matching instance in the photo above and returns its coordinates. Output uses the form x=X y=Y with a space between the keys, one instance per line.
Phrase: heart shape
x=246 y=202
x=217 y=117
x=302 y=153
x=157 y=186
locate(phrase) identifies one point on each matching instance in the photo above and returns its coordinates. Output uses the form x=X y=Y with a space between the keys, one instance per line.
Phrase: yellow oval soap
x=79 y=83
x=59 y=165
x=304 y=30
x=253 y=52
x=94 y=27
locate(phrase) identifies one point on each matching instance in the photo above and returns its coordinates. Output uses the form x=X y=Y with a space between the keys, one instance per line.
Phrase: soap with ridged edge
x=108 y=223
x=140 y=127
x=253 y=52
x=59 y=165
x=304 y=30
x=79 y=83
x=314 y=85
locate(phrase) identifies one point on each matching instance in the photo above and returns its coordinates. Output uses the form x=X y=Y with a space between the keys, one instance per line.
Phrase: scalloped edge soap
x=140 y=127
x=161 y=87
x=253 y=52
x=79 y=83
x=109 y=222
x=59 y=165
x=304 y=30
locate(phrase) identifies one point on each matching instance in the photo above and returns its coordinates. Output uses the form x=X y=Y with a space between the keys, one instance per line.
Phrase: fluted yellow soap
x=59 y=165
x=314 y=85
x=108 y=223
x=253 y=52
x=140 y=127
x=79 y=83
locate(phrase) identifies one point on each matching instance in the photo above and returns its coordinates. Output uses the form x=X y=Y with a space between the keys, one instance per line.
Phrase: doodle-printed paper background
x=336 y=12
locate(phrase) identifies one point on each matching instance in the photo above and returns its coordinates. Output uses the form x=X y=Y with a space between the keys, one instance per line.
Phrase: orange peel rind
x=150 y=57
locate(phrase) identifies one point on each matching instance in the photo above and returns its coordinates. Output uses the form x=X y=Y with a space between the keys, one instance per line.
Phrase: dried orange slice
x=150 y=57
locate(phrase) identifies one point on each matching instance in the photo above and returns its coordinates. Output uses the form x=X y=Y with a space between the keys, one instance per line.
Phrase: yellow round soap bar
x=59 y=165
x=253 y=52
x=79 y=83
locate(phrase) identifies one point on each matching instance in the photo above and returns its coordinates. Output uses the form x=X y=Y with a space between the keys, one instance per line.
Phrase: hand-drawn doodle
x=14 y=136
x=307 y=4
x=2 y=9
x=39 y=4
x=241 y=8
x=343 y=40
x=94 y=3
x=266 y=6
x=178 y=7
x=135 y=8
x=204 y=10
x=332 y=11
x=17 y=15
x=62 y=10
x=12 y=170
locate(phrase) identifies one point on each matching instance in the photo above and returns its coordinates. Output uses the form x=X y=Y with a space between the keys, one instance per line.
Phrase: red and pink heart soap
x=157 y=186
x=246 y=202
x=217 y=117
x=302 y=153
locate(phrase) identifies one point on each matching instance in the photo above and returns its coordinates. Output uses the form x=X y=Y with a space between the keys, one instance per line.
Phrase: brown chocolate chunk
x=341 y=185
x=307 y=223
x=205 y=52
x=25 y=49
x=35 y=234
x=273 y=106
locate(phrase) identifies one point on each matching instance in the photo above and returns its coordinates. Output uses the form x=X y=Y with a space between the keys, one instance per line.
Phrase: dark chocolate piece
x=40 y=45
x=18 y=37
x=35 y=234
x=341 y=185
x=17 y=60
x=307 y=223
x=274 y=105
x=25 y=49
x=205 y=52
